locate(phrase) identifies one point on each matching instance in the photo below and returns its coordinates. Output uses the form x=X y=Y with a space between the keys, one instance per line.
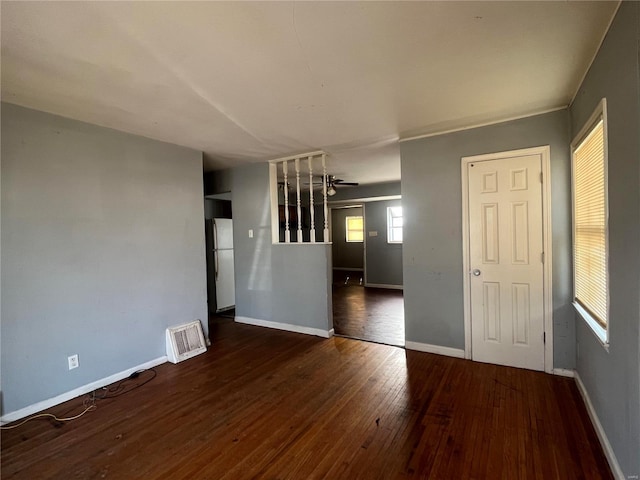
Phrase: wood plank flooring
x=373 y=314
x=270 y=404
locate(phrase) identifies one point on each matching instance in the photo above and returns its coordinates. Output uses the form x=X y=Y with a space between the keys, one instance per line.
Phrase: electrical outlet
x=251 y=233
x=73 y=362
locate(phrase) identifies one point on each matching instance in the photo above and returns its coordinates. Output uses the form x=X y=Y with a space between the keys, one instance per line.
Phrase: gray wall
x=345 y=254
x=613 y=378
x=366 y=191
x=432 y=208
x=102 y=249
x=384 y=260
x=279 y=283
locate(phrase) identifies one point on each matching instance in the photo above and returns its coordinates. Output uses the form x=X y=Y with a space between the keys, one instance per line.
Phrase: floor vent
x=185 y=341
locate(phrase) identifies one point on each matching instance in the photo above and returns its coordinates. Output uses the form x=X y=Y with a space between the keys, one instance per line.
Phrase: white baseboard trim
x=384 y=285
x=437 y=349
x=285 y=326
x=602 y=436
x=76 y=392
x=564 y=372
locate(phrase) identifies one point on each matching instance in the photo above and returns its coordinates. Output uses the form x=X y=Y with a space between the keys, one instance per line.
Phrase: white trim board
x=76 y=392
x=343 y=207
x=384 y=285
x=545 y=161
x=316 y=153
x=285 y=326
x=340 y=203
x=437 y=349
x=306 y=244
x=602 y=436
x=563 y=372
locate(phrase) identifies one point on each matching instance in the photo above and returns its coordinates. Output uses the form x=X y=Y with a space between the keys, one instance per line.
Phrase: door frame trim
x=545 y=154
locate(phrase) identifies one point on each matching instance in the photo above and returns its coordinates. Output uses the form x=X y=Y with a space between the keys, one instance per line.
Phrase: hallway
x=372 y=314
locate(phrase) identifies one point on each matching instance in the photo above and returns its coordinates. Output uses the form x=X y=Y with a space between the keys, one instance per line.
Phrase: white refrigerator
x=223 y=263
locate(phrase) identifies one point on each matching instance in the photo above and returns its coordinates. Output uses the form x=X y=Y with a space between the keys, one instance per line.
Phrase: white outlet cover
x=250 y=233
x=73 y=362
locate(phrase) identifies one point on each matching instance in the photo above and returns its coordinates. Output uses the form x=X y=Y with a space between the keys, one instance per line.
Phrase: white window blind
x=355 y=229
x=590 y=224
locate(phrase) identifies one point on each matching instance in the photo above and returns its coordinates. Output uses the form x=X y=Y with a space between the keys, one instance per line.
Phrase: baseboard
x=76 y=392
x=602 y=436
x=285 y=326
x=564 y=372
x=437 y=349
x=384 y=285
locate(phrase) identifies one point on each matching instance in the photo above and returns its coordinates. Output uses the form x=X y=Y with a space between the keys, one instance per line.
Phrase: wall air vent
x=185 y=341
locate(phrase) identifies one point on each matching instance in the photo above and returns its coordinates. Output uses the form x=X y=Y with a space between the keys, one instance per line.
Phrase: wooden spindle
x=312 y=232
x=324 y=195
x=285 y=173
x=299 y=200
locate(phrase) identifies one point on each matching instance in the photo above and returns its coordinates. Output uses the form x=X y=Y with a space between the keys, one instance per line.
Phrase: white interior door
x=506 y=261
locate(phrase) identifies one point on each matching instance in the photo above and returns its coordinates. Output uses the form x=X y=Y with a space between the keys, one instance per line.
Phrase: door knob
x=476 y=272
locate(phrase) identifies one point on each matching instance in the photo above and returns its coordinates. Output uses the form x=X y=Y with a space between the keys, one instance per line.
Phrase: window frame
x=347 y=229
x=600 y=114
x=390 y=226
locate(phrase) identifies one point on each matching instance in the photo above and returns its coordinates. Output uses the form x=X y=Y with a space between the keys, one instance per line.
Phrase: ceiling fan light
x=331 y=191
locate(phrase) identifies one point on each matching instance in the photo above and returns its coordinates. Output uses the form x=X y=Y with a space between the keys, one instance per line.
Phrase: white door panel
x=505 y=254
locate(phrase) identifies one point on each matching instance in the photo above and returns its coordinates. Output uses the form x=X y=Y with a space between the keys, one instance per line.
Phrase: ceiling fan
x=332 y=183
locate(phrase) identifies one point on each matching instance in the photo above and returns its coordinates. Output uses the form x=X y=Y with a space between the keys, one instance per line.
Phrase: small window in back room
x=355 y=228
x=394 y=224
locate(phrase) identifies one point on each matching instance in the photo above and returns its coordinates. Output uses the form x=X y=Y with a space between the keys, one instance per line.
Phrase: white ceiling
x=245 y=81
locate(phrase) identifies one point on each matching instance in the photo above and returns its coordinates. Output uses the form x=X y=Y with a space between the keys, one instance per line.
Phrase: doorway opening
x=220 y=256
x=368 y=301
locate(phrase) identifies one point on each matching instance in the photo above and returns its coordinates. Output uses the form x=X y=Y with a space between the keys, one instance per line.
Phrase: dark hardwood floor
x=270 y=404
x=373 y=314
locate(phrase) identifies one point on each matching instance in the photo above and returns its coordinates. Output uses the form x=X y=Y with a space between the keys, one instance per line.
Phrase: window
x=355 y=228
x=394 y=224
x=590 y=214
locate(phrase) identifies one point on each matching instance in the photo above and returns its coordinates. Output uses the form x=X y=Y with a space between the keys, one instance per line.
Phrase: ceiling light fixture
x=331 y=191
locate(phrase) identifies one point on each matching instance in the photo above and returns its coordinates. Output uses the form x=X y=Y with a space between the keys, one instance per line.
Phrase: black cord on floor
x=124 y=386
x=89 y=403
